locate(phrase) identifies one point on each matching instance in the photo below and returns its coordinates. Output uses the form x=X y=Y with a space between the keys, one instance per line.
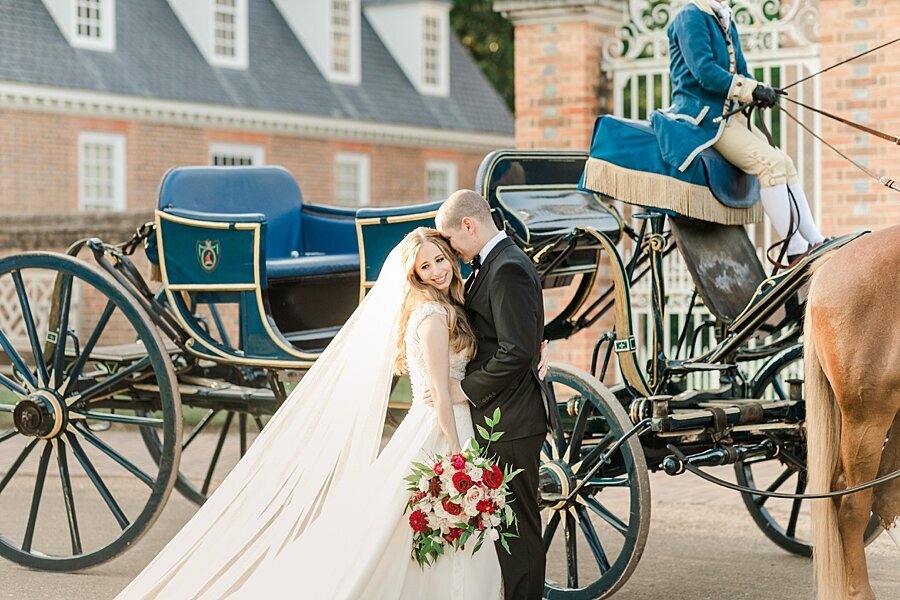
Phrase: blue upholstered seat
x=310 y=266
x=301 y=241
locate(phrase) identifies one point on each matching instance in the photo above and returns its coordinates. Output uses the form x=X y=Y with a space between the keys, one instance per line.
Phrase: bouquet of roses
x=460 y=497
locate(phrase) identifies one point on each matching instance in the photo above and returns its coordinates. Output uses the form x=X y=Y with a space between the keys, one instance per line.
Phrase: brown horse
x=852 y=356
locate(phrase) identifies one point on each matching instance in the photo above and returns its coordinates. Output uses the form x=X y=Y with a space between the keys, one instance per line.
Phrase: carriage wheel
x=213 y=443
x=75 y=489
x=785 y=522
x=602 y=530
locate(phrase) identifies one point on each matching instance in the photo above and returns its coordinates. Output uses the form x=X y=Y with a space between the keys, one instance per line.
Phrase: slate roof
x=155 y=57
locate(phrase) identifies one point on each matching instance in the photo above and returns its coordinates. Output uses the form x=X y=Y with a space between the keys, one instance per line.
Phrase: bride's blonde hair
x=462 y=338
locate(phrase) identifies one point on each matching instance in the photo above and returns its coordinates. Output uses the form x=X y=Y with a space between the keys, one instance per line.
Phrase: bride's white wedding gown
x=313 y=511
x=360 y=545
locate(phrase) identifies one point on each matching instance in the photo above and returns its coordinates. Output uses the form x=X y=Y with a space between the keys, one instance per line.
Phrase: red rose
x=486 y=506
x=416 y=497
x=454 y=534
x=418 y=521
x=438 y=468
x=493 y=477
x=451 y=507
x=458 y=461
x=434 y=487
x=462 y=482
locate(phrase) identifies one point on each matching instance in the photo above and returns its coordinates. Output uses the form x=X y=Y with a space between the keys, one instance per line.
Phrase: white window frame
x=449 y=168
x=240 y=59
x=256 y=153
x=362 y=163
x=352 y=75
x=117 y=141
x=107 y=40
x=442 y=86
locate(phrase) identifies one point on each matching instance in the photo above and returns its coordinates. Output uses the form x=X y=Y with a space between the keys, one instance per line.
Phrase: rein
x=888 y=182
x=767 y=494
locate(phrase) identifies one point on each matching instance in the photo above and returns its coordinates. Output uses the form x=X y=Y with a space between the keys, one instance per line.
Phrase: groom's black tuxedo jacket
x=506 y=310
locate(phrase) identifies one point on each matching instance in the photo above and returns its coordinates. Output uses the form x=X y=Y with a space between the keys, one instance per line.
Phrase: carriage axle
x=724 y=455
x=40 y=415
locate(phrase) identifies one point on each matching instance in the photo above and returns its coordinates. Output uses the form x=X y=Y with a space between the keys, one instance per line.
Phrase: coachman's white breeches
x=749 y=151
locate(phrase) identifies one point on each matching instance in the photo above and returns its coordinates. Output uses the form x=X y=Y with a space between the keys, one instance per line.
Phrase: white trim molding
x=120 y=106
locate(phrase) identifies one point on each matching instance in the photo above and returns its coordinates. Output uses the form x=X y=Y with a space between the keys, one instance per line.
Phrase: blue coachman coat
x=708 y=73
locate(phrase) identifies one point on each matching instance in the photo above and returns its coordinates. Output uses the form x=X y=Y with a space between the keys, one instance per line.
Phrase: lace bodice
x=415 y=358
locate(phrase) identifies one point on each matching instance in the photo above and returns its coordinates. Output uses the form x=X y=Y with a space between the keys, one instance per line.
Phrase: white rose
x=493 y=534
x=438 y=539
x=475 y=473
x=423 y=484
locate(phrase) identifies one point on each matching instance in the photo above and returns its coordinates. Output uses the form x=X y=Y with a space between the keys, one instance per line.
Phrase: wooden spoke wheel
x=786 y=522
x=594 y=537
x=74 y=492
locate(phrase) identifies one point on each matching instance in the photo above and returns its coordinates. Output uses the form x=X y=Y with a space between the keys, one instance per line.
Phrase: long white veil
x=329 y=429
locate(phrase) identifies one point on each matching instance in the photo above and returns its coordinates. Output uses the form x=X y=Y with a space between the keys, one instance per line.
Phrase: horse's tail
x=823 y=426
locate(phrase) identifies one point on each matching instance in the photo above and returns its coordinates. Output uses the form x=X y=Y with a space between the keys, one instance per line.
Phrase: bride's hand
x=544 y=363
x=457 y=396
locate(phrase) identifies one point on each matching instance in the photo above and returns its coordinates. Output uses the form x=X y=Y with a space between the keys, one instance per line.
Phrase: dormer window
x=86 y=24
x=417 y=34
x=229 y=34
x=431 y=51
x=225 y=29
x=219 y=29
x=340 y=36
x=330 y=33
x=89 y=19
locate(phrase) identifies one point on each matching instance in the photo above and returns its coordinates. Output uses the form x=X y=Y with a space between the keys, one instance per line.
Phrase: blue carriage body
x=243 y=236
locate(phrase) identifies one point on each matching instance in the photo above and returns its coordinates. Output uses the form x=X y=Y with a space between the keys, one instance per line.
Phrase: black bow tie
x=476 y=263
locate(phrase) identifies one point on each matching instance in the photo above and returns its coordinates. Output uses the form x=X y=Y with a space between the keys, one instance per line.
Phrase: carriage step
x=309 y=335
x=123 y=352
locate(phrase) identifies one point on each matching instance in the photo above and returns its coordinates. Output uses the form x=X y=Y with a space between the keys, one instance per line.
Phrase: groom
x=505 y=308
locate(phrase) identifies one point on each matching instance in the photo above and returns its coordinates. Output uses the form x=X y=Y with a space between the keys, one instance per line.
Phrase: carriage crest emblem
x=208 y=254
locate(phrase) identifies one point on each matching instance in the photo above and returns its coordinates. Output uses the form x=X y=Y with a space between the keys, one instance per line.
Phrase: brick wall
x=559 y=90
x=864 y=91
x=39 y=161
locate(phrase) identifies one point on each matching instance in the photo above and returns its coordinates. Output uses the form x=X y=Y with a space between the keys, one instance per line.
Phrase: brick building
x=364 y=101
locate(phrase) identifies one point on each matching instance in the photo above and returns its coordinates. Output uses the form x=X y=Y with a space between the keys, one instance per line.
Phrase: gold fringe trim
x=666 y=193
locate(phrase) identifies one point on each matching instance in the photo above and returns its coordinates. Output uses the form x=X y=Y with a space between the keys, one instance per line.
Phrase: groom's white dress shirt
x=482 y=256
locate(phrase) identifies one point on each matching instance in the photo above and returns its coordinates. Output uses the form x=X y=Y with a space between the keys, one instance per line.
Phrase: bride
x=313 y=510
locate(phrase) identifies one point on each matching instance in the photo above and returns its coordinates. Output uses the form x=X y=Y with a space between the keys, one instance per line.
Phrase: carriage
x=139 y=384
